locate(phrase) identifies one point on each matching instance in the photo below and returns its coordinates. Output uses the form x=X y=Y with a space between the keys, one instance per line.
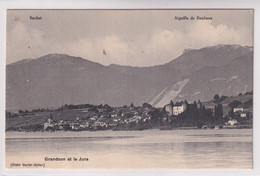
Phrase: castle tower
x=199 y=105
x=169 y=107
x=132 y=107
x=50 y=120
x=185 y=105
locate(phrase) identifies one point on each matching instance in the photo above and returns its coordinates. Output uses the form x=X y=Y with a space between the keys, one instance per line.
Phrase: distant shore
x=163 y=128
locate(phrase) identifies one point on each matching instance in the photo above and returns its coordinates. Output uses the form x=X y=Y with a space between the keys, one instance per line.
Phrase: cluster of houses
x=180 y=107
x=101 y=120
x=107 y=117
x=240 y=111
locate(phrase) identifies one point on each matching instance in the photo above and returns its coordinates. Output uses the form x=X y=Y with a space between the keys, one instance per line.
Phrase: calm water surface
x=180 y=149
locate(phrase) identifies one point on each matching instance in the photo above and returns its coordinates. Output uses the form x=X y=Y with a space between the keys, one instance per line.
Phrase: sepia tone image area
x=129 y=89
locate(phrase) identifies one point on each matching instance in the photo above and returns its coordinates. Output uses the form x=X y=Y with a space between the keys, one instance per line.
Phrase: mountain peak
x=56 y=56
x=56 y=59
x=228 y=46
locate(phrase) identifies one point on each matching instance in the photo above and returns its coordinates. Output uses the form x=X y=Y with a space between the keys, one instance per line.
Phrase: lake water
x=149 y=149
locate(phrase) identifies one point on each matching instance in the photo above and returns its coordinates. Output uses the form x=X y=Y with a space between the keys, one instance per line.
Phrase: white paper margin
x=135 y=4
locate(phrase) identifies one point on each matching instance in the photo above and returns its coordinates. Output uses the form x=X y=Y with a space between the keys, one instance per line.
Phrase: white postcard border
x=141 y=4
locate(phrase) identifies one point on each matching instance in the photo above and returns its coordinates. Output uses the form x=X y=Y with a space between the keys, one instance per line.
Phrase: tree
x=218 y=112
x=234 y=104
x=66 y=127
x=36 y=127
x=8 y=114
x=222 y=98
x=156 y=116
x=231 y=114
x=248 y=103
x=146 y=105
x=21 y=112
x=216 y=98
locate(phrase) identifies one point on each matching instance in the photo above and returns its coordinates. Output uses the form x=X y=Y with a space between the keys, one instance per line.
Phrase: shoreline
x=162 y=128
x=131 y=131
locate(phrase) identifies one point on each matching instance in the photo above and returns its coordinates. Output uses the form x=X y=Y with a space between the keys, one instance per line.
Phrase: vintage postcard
x=129 y=89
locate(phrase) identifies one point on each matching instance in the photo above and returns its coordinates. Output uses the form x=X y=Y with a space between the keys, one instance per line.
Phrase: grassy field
x=27 y=120
x=71 y=114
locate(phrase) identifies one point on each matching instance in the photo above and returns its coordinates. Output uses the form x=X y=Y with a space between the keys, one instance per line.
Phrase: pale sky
x=129 y=37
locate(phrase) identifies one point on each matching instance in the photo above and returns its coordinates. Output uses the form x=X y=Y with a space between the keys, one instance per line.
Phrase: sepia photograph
x=129 y=89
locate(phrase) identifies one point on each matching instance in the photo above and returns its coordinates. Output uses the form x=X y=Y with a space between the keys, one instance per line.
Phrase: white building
x=179 y=109
x=45 y=125
x=113 y=115
x=243 y=115
x=238 y=109
x=232 y=122
x=176 y=109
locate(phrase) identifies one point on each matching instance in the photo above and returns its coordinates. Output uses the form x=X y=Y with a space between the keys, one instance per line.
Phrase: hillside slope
x=57 y=79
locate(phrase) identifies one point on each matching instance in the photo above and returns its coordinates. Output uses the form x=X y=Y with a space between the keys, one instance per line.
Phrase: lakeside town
x=220 y=112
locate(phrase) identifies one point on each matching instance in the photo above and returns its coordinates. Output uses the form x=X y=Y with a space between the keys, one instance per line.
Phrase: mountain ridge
x=57 y=79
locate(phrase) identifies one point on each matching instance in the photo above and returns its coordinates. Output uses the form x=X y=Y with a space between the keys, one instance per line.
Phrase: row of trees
x=24 y=112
